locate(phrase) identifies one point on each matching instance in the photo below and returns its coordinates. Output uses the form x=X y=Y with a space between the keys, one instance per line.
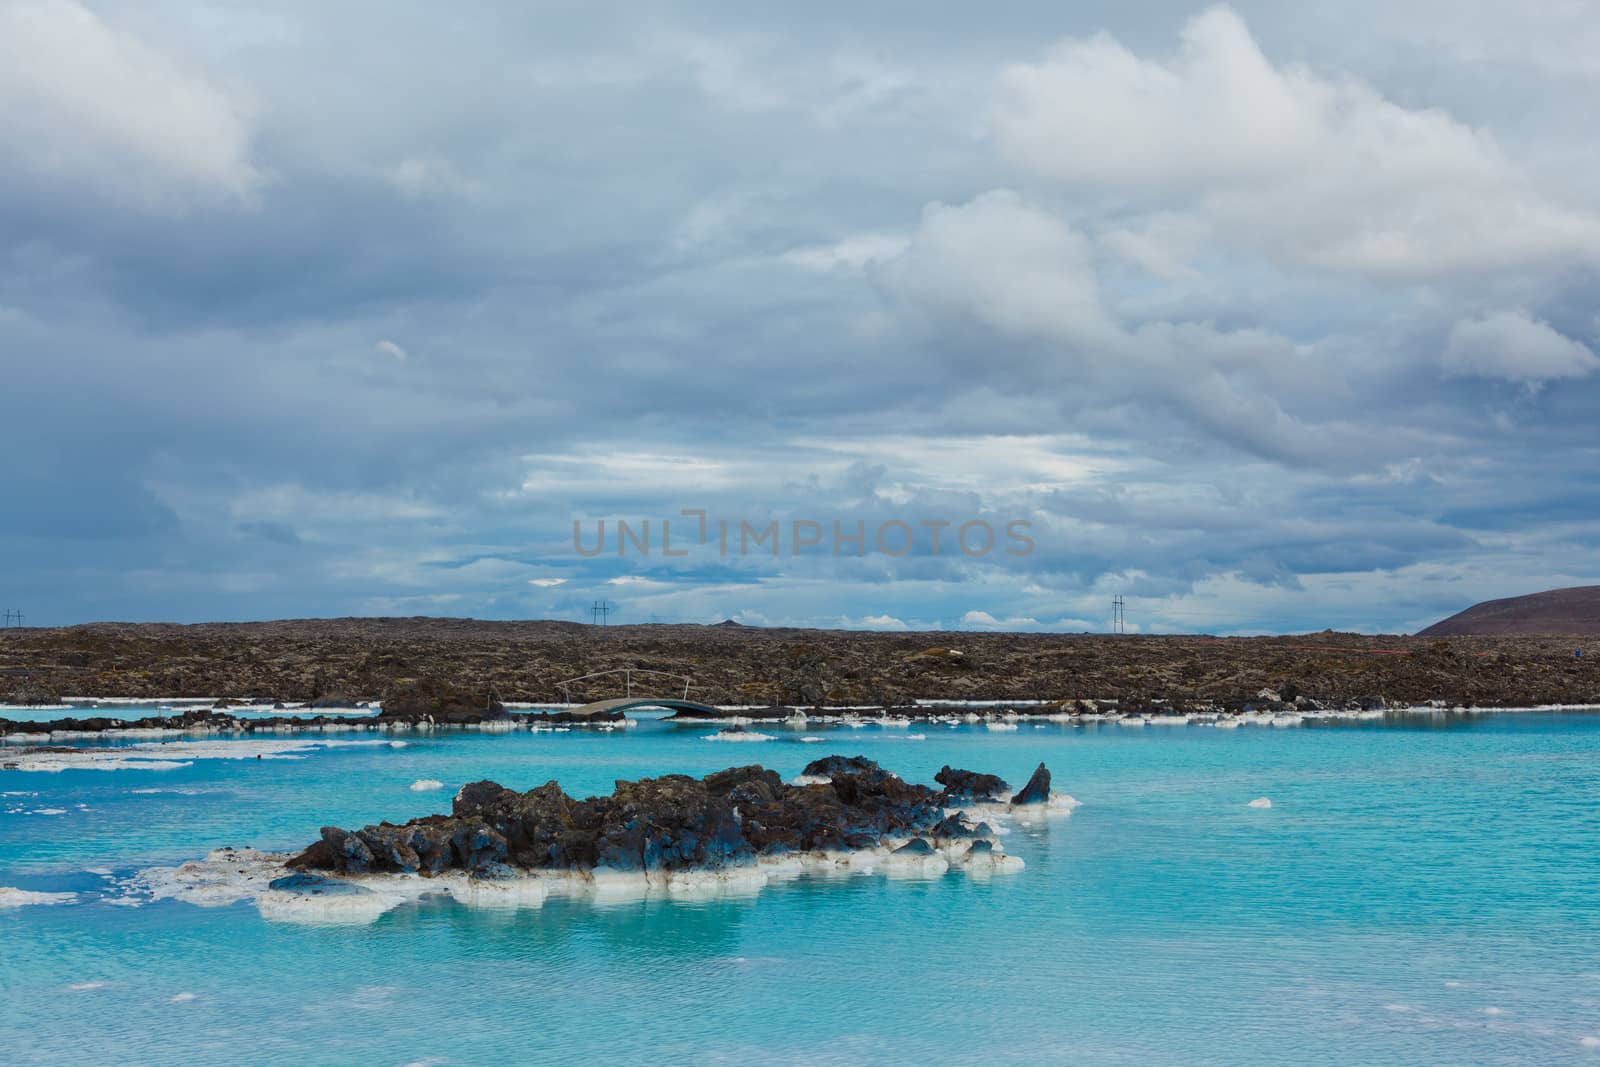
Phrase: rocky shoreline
x=448 y=666
x=732 y=831
x=1269 y=708
x=445 y=712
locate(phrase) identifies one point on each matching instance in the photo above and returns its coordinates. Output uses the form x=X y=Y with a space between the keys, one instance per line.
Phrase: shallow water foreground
x=1419 y=892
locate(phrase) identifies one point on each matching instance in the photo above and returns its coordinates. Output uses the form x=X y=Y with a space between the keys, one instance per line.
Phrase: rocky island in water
x=733 y=830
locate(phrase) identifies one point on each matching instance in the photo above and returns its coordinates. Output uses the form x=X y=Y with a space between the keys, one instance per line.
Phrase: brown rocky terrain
x=372 y=659
x=1574 y=611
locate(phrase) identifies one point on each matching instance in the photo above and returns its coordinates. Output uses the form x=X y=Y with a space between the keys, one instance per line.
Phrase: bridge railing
x=627 y=673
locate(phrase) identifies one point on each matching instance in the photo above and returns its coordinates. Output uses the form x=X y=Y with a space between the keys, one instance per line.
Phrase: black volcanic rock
x=962 y=785
x=1037 y=791
x=955 y=825
x=334 y=700
x=427 y=698
x=917 y=846
x=590 y=718
x=474 y=796
x=768 y=714
x=828 y=766
x=664 y=824
x=33 y=696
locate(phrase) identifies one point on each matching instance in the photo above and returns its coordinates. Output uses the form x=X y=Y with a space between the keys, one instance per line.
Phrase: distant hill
x=1573 y=611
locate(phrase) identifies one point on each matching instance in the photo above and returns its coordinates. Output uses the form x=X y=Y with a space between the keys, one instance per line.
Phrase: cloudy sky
x=1261 y=316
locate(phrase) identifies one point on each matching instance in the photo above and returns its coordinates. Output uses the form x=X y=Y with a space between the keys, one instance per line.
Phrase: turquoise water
x=1420 y=892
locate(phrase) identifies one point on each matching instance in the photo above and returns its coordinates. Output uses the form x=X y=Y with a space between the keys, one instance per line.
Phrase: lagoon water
x=1420 y=891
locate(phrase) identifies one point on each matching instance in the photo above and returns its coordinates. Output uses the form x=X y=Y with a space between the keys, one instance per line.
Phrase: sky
x=1263 y=317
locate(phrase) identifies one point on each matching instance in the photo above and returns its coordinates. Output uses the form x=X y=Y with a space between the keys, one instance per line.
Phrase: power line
x=600 y=612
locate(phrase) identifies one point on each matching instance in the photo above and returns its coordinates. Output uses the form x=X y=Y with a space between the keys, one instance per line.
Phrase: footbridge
x=602 y=708
x=608 y=707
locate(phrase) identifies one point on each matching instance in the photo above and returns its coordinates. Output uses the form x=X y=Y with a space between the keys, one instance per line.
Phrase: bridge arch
x=602 y=708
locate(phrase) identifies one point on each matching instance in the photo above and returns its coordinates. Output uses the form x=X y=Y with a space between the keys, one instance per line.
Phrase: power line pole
x=599 y=612
x=1118 y=615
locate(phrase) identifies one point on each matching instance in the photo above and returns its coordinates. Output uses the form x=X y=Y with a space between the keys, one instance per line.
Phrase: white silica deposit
x=739 y=735
x=20 y=898
x=228 y=876
x=170 y=755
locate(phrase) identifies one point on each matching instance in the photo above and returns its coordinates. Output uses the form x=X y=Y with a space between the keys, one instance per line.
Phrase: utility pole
x=599 y=612
x=1118 y=615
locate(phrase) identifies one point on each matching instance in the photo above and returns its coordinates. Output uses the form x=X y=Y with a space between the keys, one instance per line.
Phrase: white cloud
x=1008 y=262
x=639 y=586
x=852 y=253
x=418 y=176
x=389 y=348
x=547 y=583
x=990 y=463
x=1312 y=170
x=82 y=102
x=1017 y=269
x=1511 y=346
x=732 y=70
x=1162 y=245
x=982 y=620
x=655 y=469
